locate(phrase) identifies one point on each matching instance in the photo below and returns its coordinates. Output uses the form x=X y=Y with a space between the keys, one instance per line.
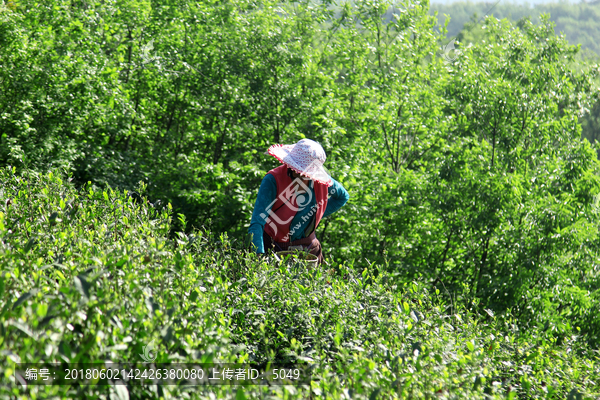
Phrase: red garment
x=285 y=207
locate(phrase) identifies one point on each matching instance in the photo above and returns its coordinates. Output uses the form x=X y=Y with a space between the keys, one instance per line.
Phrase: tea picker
x=293 y=199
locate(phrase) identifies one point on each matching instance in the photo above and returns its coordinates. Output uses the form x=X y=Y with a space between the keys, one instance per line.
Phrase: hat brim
x=315 y=172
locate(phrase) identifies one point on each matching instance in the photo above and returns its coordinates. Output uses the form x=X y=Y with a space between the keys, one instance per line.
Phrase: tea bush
x=89 y=275
x=463 y=167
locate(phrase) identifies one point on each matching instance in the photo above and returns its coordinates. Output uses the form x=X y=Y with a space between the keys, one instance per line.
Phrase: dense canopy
x=132 y=136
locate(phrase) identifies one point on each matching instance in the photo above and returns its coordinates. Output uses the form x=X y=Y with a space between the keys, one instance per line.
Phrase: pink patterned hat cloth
x=305 y=157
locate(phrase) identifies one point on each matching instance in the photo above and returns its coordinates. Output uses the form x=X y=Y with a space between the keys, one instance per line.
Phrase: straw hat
x=305 y=157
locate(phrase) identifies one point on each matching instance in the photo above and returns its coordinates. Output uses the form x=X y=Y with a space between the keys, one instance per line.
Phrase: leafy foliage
x=575 y=20
x=466 y=171
x=91 y=275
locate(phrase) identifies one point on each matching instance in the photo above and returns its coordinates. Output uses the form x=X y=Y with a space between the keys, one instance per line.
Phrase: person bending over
x=293 y=198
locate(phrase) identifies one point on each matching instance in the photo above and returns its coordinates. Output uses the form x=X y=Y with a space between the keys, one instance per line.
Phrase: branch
x=494 y=141
x=387 y=145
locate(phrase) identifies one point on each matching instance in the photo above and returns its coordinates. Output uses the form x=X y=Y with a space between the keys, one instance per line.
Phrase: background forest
x=468 y=171
x=577 y=21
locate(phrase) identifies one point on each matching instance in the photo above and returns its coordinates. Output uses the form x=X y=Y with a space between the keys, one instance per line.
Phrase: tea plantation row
x=91 y=276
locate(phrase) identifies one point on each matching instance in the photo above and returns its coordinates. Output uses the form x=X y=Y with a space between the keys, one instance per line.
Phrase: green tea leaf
x=23 y=298
x=82 y=286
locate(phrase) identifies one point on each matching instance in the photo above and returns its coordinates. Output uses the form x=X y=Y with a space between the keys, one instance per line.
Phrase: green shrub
x=91 y=275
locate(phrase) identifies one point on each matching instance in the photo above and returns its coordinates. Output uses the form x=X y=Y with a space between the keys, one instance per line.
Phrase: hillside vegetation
x=90 y=275
x=577 y=21
x=466 y=263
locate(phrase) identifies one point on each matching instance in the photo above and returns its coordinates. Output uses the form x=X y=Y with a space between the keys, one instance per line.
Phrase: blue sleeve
x=266 y=194
x=338 y=196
